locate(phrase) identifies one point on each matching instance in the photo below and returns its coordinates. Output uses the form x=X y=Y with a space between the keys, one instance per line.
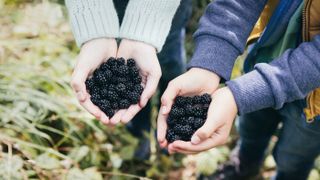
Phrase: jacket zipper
x=305 y=13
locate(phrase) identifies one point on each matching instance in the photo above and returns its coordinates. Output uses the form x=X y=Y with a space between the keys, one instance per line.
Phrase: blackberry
x=138 y=89
x=206 y=98
x=112 y=96
x=104 y=105
x=134 y=71
x=100 y=77
x=184 y=120
x=134 y=97
x=198 y=112
x=189 y=109
x=109 y=112
x=122 y=70
x=104 y=92
x=131 y=62
x=196 y=100
x=104 y=66
x=198 y=122
x=89 y=84
x=95 y=98
x=121 y=61
x=122 y=80
x=188 y=100
x=112 y=87
x=137 y=80
x=177 y=112
x=112 y=63
x=190 y=120
x=108 y=74
x=114 y=105
x=180 y=101
x=121 y=88
x=124 y=104
x=130 y=85
x=171 y=136
x=171 y=122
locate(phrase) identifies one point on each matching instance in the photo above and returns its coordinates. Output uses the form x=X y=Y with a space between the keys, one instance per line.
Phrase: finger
x=177 y=150
x=117 y=117
x=162 y=128
x=168 y=97
x=210 y=126
x=130 y=113
x=204 y=145
x=78 y=83
x=104 y=119
x=91 y=108
x=150 y=89
x=163 y=144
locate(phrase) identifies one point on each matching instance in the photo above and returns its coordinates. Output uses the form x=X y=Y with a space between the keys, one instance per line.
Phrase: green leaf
x=127 y=152
x=46 y=161
x=77 y=154
x=93 y=174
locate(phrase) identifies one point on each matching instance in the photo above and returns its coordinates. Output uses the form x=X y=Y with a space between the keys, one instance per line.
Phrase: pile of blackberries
x=115 y=85
x=186 y=116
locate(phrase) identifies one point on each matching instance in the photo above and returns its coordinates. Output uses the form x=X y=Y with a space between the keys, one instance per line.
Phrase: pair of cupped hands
x=196 y=81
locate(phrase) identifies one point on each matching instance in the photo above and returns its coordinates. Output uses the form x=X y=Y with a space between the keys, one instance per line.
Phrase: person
x=280 y=86
x=151 y=32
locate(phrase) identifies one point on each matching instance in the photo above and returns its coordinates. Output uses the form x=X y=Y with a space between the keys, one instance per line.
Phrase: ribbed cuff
x=214 y=54
x=251 y=92
x=148 y=21
x=91 y=19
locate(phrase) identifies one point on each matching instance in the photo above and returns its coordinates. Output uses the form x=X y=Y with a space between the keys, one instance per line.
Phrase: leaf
x=93 y=174
x=127 y=152
x=75 y=174
x=115 y=160
x=46 y=161
x=77 y=154
x=10 y=167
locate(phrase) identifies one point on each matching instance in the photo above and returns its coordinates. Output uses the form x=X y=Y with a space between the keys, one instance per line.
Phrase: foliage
x=45 y=134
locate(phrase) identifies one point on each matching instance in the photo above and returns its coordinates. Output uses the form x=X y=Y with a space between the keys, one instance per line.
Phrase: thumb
x=209 y=128
x=168 y=96
x=78 y=83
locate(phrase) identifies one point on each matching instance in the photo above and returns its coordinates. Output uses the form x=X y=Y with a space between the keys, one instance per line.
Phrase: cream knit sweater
x=144 y=20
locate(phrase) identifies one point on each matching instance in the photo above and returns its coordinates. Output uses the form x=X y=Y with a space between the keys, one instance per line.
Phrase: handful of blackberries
x=115 y=85
x=186 y=116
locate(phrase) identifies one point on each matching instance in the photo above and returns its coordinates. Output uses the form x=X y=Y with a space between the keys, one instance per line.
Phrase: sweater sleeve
x=222 y=34
x=290 y=77
x=91 y=19
x=148 y=21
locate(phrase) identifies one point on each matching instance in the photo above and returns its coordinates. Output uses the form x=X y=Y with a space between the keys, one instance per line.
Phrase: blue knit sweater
x=221 y=38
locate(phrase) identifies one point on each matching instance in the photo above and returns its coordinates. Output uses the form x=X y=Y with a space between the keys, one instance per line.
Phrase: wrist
x=138 y=45
x=211 y=75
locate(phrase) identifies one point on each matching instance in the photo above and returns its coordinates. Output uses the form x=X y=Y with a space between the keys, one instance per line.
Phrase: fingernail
x=195 y=140
x=164 y=109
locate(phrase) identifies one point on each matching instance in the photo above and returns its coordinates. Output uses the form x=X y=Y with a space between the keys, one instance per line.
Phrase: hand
x=91 y=55
x=146 y=58
x=216 y=130
x=196 y=81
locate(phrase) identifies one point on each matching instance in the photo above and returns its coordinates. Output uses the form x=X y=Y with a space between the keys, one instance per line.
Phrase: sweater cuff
x=91 y=19
x=214 y=54
x=251 y=92
x=148 y=21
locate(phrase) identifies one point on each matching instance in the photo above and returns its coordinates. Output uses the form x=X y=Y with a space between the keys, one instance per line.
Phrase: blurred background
x=45 y=134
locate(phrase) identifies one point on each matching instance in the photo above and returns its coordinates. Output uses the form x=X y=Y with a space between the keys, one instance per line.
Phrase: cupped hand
x=92 y=54
x=196 y=81
x=216 y=130
x=146 y=59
